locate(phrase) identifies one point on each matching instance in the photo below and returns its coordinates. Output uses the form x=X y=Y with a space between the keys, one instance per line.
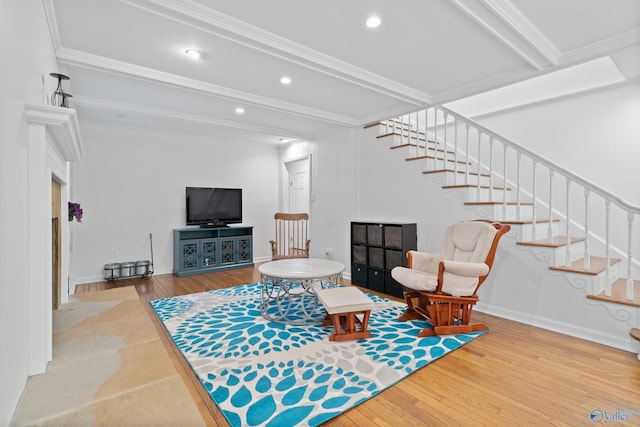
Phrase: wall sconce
x=59 y=98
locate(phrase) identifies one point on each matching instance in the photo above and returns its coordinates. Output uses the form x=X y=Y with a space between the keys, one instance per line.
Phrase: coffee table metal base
x=293 y=302
x=288 y=293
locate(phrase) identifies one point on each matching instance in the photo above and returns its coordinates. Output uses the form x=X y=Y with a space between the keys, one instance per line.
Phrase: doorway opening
x=56 y=217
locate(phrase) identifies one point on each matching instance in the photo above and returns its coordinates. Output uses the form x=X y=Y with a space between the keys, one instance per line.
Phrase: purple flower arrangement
x=75 y=211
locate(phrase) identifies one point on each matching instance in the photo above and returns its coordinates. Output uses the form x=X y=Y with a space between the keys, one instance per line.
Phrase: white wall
x=390 y=189
x=596 y=135
x=333 y=200
x=26 y=47
x=131 y=182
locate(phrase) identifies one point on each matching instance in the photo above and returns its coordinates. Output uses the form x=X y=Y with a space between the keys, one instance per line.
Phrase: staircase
x=556 y=215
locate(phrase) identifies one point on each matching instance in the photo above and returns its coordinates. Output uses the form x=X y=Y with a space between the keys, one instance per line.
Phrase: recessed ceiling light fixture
x=192 y=53
x=285 y=140
x=285 y=80
x=239 y=110
x=373 y=22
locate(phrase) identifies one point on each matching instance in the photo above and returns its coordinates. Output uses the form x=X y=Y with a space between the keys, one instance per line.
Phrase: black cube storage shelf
x=376 y=248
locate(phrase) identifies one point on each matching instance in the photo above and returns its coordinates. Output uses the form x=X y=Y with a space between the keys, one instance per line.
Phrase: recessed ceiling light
x=373 y=22
x=285 y=80
x=285 y=140
x=239 y=110
x=192 y=53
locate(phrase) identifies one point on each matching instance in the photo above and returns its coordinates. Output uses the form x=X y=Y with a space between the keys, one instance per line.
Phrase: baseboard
x=555 y=326
x=94 y=279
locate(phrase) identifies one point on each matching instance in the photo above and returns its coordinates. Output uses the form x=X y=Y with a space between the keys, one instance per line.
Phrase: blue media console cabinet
x=204 y=250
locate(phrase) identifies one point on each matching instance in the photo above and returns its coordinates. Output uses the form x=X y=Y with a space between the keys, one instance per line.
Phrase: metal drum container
x=127 y=269
x=111 y=271
x=142 y=267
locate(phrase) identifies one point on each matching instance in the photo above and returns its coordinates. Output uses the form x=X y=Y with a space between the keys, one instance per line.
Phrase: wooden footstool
x=343 y=304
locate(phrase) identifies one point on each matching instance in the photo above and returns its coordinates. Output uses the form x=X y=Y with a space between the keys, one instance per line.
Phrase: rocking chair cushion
x=468 y=241
x=469 y=269
x=461 y=278
x=425 y=261
x=415 y=279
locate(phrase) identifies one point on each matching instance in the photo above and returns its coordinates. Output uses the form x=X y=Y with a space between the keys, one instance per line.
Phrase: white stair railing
x=441 y=126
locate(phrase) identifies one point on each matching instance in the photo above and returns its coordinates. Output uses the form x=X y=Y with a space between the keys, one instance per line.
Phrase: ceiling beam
x=503 y=20
x=87 y=60
x=170 y=115
x=222 y=25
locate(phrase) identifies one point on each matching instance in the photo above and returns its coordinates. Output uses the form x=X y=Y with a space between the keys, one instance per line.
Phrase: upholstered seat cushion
x=344 y=299
x=415 y=279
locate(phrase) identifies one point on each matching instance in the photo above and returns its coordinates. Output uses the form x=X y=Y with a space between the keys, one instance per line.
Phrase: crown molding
x=49 y=12
x=506 y=23
x=209 y=20
x=602 y=47
x=62 y=124
x=86 y=60
x=169 y=115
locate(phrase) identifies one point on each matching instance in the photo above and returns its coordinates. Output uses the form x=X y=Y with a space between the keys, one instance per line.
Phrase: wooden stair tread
x=526 y=221
x=418 y=138
x=619 y=294
x=473 y=186
x=409 y=159
x=499 y=203
x=370 y=125
x=451 y=170
x=598 y=265
x=427 y=156
x=635 y=333
x=558 y=241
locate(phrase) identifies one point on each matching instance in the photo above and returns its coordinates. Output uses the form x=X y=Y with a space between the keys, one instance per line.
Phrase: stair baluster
x=491 y=171
x=534 y=220
x=504 y=181
x=587 y=253
x=466 y=156
x=518 y=192
x=607 y=248
x=567 y=251
x=455 y=149
x=630 y=216
x=478 y=160
x=550 y=217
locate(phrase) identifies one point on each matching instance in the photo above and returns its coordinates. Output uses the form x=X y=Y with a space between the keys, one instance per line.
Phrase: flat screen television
x=214 y=207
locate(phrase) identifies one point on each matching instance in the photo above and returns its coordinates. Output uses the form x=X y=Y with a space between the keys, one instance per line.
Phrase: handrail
x=606 y=194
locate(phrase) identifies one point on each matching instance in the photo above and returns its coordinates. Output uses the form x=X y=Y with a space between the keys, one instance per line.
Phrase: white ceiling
x=127 y=62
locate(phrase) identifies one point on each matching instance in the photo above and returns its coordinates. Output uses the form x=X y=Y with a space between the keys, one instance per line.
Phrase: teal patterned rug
x=262 y=373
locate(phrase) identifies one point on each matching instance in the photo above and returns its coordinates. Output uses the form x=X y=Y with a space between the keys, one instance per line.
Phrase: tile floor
x=109 y=368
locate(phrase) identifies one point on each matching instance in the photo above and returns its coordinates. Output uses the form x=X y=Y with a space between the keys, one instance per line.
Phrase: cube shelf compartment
x=376 y=248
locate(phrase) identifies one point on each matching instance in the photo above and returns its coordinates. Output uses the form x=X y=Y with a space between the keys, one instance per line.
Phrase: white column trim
x=53 y=141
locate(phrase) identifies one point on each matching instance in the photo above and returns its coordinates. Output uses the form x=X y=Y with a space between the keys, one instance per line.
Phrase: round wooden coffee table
x=288 y=293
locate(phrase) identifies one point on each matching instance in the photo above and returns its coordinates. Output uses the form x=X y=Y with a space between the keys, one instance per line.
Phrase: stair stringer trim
x=620 y=312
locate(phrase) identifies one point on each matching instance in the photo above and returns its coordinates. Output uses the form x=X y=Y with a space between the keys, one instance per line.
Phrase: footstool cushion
x=343 y=304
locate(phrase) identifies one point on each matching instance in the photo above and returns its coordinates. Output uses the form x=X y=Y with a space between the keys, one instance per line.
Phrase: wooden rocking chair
x=292 y=236
x=445 y=285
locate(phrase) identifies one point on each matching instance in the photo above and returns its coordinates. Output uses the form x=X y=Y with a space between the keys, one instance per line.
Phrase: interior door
x=298 y=172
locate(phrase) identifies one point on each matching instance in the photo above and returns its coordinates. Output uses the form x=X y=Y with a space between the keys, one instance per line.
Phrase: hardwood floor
x=515 y=374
